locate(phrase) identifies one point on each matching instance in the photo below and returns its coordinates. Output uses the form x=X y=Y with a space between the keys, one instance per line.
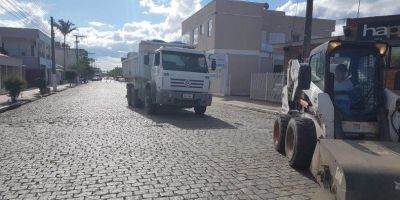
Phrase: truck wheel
x=149 y=107
x=135 y=99
x=128 y=95
x=280 y=127
x=300 y=141
x=200 y=110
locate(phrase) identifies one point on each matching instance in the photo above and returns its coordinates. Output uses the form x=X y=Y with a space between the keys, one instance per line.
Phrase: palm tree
x=65 y=27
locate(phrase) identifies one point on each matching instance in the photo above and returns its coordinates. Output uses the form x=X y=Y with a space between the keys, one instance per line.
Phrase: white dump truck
x=167 y=74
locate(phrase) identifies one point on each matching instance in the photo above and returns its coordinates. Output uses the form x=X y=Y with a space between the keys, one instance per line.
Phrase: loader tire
x=280 y=127
x=300 y=142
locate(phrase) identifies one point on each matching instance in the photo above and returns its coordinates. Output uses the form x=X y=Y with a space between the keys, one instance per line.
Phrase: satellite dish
x=266 y=6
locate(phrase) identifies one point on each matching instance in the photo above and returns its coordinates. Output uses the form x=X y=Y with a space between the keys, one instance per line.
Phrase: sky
x=115 y=27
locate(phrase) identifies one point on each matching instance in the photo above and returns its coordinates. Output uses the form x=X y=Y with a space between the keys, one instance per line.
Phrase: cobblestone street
x=85 y=143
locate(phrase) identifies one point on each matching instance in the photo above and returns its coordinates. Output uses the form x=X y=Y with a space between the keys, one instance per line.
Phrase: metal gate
x=267 y=86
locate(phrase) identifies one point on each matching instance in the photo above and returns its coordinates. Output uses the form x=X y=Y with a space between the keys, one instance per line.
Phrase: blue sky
x=110 y=12
x=114 y=28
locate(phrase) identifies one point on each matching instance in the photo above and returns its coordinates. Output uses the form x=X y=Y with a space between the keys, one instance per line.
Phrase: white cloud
x=108 y=62
x=119 y=41
x=110 y=43
x=33 y=15
x=341 y=9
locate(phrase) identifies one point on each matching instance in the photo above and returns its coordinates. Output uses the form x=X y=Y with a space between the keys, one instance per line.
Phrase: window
x=210 y=28
x=295 y=38
x=195 y=36
x=276 y=38
x=157 y=59
x=202 y=29
x=179 y=61
x=395 y=57
x=186 y=38
x=32 y=50
x=355 y=89
x=318 y=70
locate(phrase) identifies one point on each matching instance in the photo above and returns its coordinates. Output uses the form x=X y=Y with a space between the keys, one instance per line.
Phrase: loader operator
x=342 y=88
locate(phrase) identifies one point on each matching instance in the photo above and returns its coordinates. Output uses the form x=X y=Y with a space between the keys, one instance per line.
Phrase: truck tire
x=200 y=110
x=129 y=95
x=149 y=107
x=300 y=141
x=135 y=98
x=280 y=127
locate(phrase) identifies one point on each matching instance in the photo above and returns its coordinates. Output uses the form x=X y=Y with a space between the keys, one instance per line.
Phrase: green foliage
x=84 y=69
x=70 y=76
x=65 y=27
x=41 y=83
x=117 y=71
x=14 y=86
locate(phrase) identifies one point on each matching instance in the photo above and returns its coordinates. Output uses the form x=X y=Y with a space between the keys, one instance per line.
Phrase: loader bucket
x=350 y=169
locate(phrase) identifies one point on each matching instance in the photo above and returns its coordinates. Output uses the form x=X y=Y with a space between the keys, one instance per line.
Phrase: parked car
x=96 y=78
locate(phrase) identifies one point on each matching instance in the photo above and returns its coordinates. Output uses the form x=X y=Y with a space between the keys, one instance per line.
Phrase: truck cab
x=170 y=75
x=179 y=77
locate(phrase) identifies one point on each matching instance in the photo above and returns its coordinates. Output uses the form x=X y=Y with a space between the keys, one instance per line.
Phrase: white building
x=10 y=68
x=32 y=47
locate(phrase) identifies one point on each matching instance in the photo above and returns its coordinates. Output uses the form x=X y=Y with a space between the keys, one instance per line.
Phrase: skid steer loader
x=340 y=122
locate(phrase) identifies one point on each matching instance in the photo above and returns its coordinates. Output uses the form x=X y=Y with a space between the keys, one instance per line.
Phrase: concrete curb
x=268 y=111
x=10 y=107
x=26 y=101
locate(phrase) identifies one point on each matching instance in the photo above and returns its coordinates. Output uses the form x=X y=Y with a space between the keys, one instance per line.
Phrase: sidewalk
x=26 y=97
x=246 y=103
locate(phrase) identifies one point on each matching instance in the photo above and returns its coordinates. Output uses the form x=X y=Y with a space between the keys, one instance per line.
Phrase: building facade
x=241 y=36
x=10 y=68
x=32 y=47
x=70 y=56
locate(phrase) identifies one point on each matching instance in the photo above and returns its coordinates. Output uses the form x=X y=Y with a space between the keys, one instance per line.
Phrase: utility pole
x=53 y=58
x=76 y=46
x=308 y=29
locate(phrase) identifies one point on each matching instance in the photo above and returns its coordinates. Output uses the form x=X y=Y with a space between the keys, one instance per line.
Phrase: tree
x=117 y=71
x=65 y=27
x=70 y=76
x=83 y=68
x=14 y=86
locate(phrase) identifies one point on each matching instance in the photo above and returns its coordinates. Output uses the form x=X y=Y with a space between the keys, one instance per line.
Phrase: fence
x=267 y=86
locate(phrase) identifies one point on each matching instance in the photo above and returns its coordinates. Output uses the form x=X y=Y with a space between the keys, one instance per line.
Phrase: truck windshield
x=356 y=87
x=179 y=61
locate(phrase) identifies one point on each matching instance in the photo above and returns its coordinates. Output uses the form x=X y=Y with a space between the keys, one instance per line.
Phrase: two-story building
x=70 y=55
x=241 y=35
x=32 y=47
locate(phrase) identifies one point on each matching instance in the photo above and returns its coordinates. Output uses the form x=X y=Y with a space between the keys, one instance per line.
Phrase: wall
x=240 y=69
x=243 y=31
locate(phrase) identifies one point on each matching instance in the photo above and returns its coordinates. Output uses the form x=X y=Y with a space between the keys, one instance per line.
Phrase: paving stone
x=85 y=143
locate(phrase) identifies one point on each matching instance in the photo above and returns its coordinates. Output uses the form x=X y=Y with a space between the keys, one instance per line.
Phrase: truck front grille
x=186 y=83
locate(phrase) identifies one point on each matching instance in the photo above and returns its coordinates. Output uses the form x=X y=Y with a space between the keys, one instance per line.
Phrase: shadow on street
x=185 y=119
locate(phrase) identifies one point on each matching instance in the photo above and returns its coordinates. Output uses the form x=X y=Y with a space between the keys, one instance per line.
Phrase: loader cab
x=351 y=73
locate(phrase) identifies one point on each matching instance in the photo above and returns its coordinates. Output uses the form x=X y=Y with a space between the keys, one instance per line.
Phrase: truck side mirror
x=146 y=60
x=304 y=78
x=213 y=65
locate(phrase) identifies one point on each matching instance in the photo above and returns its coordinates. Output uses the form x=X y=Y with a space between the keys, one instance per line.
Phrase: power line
x=21 y=14
x=27 y=15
